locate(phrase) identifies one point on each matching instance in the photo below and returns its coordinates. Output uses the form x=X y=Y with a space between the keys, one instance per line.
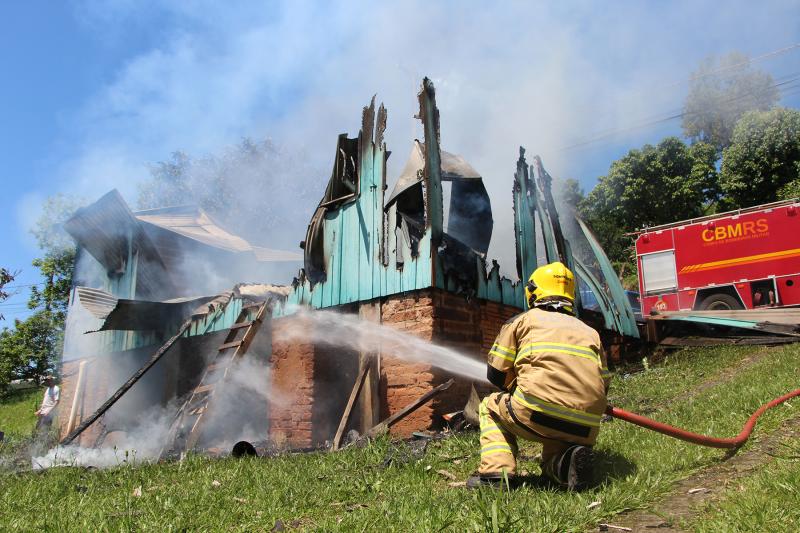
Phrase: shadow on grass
x=609 y=466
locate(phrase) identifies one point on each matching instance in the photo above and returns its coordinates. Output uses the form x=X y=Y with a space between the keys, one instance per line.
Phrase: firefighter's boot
x=572 y=469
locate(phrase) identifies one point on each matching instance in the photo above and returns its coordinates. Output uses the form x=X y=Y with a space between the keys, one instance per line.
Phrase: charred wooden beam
x=407 y=410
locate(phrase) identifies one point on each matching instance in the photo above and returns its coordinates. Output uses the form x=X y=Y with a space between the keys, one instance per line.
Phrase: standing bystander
x=46 y=411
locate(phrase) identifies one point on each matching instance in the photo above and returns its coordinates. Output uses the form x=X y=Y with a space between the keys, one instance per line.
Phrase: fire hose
x=695 y=438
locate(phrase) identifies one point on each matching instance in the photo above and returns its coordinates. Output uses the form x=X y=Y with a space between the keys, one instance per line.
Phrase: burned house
x=415 y=261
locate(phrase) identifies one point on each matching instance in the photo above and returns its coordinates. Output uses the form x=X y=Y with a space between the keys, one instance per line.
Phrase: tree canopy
x=762 y=164
x=650 y=186
x=31 y=349
x=6 y=277
x=720 y=92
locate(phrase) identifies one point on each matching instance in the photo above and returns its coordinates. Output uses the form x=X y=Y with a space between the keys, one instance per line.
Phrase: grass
x=767 y=501
x=17 y=420
x=17 y=417
x=362 y=490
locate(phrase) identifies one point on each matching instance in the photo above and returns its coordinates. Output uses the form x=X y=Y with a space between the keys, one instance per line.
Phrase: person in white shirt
x=46 y=411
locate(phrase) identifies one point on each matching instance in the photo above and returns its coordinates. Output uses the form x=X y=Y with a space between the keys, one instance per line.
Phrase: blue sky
x=93 y=91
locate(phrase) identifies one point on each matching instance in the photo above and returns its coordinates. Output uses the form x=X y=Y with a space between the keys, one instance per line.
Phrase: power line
x=784 y=86
x=737 y=65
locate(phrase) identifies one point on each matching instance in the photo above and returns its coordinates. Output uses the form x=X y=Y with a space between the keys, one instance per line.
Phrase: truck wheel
x=720 y=302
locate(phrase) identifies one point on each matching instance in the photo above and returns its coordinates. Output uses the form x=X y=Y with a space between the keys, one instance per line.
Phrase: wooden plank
x=227 y=345
x=201 y=389
x=407 y=410
x=726 y=341
x=337 y=439
x=369 y=401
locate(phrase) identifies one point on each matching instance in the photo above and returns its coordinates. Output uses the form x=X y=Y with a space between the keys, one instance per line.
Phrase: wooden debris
x=337 y=439
x=471 y=408
x=716 y=341
x=698 y=490
x=407 y=410
x=448 y=475
x=606 y=527
x=594 y=505
x=456 y=484
x=125 y=387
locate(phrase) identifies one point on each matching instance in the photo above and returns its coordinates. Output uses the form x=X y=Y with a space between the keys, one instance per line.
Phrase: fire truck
x=744 y=259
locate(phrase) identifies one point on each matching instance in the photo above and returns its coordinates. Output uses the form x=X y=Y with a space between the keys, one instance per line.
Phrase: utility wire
x=737 y=65
x=662 y=86
x=676 y=114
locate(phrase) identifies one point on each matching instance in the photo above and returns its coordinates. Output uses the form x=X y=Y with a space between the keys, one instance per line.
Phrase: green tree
x=6 y=277
x=647 y=187
x=720 y=92
x=58 y=261
x=570 y=194
x=31 y=349
x=762 y=164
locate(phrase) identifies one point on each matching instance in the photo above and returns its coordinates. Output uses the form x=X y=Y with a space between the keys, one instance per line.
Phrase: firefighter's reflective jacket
x=555 y=369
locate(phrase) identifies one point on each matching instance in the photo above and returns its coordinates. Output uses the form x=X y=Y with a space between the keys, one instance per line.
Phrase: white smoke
x=230 y=419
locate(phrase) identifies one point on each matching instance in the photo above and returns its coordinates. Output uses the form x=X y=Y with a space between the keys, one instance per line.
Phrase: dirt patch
x=690 y=494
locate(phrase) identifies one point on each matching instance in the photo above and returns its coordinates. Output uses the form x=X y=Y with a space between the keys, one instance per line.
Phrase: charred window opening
x=469 y=217
x=468 y=211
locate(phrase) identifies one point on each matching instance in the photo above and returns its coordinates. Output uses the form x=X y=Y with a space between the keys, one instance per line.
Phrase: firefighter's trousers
x=499 y=433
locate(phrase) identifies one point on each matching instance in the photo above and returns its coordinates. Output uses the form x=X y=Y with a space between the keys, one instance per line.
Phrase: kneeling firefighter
x=552 y=369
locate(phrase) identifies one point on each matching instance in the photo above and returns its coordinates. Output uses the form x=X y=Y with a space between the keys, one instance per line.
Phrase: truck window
x=658 y=271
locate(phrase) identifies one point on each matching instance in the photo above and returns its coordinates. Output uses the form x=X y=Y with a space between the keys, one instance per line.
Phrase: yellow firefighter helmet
x=550 y=281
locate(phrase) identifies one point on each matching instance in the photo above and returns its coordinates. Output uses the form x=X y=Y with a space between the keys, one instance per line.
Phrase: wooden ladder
x=187 y=426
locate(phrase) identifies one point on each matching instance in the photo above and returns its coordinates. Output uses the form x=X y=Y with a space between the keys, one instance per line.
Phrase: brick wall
x=292 y=388
x=401 y=382
x=447 y=319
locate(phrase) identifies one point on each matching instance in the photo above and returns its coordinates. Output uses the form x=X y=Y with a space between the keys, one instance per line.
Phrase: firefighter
x=554 y=377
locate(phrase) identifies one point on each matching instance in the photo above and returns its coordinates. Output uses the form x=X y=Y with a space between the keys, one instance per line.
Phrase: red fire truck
x=743 y=259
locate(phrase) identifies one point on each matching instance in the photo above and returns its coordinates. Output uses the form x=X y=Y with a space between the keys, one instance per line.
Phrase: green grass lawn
x=359 y=490
x=767 y=501
x=17 y=417
x=17 y=420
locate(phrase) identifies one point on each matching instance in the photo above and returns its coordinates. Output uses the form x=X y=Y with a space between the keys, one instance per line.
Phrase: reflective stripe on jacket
x=559 y=367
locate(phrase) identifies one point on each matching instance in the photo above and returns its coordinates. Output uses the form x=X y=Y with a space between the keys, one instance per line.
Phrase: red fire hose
x=696 y=438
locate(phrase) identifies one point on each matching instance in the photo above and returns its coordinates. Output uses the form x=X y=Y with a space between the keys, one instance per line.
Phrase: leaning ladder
x=187 y=425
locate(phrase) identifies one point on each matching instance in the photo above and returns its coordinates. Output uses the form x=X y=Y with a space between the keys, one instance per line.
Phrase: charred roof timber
x=435 y=228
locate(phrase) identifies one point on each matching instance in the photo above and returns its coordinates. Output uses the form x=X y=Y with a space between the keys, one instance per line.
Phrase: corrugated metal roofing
x=194 y=223
x=97 y=302
x=138 y=315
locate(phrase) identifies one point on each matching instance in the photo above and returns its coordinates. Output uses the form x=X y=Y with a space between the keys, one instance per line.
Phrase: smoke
x=348 y=331
x=237 y=412
x=539 y=75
